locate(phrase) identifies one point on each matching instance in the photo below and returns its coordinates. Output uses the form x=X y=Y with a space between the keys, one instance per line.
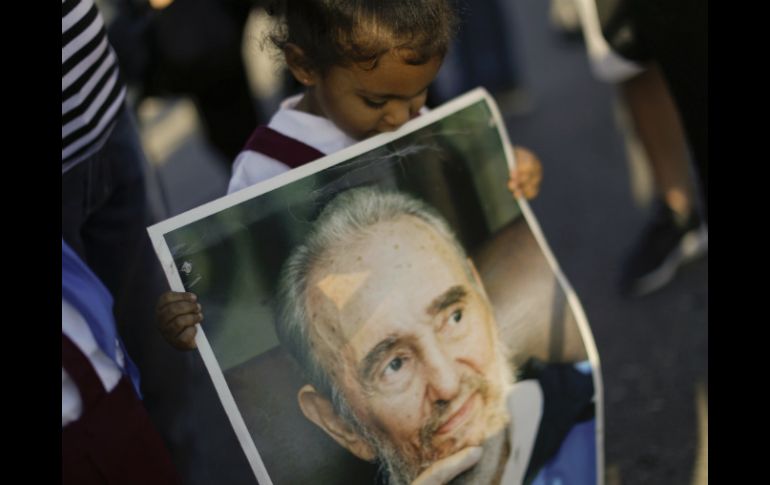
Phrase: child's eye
x=374 y=104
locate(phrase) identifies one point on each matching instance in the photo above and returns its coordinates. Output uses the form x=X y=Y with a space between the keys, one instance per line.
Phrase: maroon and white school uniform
x=291 y=138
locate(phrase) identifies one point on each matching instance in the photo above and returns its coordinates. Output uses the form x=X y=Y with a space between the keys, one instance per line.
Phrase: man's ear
x=299 y=65
x=319 y=410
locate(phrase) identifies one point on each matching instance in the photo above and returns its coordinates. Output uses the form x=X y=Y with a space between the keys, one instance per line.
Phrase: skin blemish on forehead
x=339 y=288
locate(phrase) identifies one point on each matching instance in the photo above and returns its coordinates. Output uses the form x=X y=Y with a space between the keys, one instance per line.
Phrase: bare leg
x=660 y=130
x=674 y=233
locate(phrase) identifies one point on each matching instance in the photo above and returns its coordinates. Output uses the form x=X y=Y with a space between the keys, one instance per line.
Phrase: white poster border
x=159 y=230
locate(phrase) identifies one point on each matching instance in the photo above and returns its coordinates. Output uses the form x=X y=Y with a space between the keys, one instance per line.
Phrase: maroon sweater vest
x=114 y=441
x=285 y=149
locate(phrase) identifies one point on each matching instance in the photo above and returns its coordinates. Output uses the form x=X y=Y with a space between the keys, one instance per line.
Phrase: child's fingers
x=172 y=310
x=526 y=162
x=515 y=183
x=174 y=296
x=186 y=339
x=535 y=172
x=180 y=332
x=513 y=187
x=523 y=156
x=526 y=177
x=537 y=180
x=181 y=322
x=513 y=178
x=530 y=192
x=533 y=186
x=531 y=178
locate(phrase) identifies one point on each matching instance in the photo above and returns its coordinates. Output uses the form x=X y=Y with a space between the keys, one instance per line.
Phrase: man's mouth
x=459 y=417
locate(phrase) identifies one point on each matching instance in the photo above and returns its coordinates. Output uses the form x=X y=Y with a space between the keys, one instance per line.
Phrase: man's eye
x=455 y=317
x=374 y=104
x=394 y=366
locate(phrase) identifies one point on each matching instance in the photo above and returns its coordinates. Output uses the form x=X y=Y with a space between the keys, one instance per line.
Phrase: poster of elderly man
x=392 y=314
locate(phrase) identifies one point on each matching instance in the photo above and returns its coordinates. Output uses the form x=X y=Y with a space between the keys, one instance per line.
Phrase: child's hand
x=176 y=315
x=526 y=177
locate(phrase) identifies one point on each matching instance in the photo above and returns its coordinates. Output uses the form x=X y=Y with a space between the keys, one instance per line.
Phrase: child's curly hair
x=342 y=32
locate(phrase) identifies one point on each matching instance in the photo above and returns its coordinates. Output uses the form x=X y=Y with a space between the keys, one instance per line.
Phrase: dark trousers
x=104 y=208
x=484 y=45
x=104 y=219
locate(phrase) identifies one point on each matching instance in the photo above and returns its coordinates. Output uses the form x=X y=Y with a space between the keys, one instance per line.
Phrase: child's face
x=363 y=103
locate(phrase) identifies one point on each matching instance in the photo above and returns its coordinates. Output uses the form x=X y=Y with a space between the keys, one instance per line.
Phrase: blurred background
x=592 y=204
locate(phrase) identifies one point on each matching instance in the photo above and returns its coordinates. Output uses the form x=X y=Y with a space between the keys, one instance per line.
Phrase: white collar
x=316 y=131
x=525 y=404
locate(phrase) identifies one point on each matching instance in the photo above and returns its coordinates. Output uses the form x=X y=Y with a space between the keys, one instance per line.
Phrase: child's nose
x=398 y=113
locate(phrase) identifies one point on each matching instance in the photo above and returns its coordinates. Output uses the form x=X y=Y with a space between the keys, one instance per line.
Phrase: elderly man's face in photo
x=407 y=333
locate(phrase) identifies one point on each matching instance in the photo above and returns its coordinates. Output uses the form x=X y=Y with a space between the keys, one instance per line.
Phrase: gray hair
x=346 y=218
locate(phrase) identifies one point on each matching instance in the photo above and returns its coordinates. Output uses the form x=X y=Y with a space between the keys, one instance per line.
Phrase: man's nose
x=399 y=112
x=442 y=374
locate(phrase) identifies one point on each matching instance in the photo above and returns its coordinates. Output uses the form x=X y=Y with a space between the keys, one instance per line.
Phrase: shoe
x=666 y=243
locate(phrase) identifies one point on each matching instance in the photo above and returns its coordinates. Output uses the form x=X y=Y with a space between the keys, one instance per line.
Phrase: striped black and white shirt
x=91 y=90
